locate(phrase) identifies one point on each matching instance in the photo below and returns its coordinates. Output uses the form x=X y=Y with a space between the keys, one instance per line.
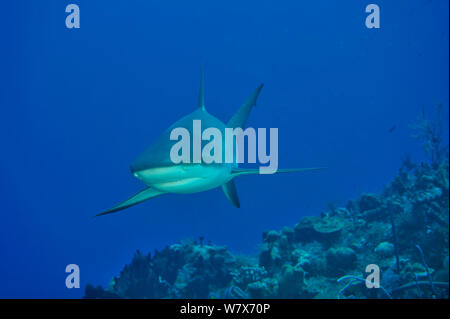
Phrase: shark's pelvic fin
x=136 y=199
x=244 y=171
x=241 y=116
x=230 y=192
x=201 y=93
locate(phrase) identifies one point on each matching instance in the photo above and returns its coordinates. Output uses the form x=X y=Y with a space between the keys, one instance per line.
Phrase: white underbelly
x=185 y=179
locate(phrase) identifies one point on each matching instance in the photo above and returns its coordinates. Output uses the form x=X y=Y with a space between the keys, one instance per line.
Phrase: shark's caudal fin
x=241 y=116
x=201 y=93
x=136 y=199
x=230 y=192
x=244 y=171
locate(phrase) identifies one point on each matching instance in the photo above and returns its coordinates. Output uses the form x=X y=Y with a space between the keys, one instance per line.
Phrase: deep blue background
x=77 y=106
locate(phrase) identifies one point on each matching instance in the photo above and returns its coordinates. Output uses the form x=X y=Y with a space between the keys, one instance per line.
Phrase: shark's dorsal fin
x=230 y=192
x=241 y=116
x=201 y=93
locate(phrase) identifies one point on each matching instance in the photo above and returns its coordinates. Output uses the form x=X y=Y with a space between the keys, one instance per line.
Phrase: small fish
x=393 y=128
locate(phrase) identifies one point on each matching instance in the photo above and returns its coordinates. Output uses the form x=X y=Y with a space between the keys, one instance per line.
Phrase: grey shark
x=155 y=168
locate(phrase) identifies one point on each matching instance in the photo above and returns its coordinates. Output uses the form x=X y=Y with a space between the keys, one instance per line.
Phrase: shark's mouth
x=185 y=185
x=184 y=178
x=161 y=174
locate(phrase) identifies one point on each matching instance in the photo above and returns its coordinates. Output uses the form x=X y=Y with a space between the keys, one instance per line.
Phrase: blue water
x=78 y=105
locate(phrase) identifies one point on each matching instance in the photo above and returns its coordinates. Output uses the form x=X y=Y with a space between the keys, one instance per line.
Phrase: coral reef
x=404 y=231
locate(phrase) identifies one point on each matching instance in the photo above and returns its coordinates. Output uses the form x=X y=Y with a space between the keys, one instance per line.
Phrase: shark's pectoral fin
x=230 y=192
x=136 y=199
x=244 y=171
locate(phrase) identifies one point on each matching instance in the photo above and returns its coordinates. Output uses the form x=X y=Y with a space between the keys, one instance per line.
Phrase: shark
x=161 y=175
